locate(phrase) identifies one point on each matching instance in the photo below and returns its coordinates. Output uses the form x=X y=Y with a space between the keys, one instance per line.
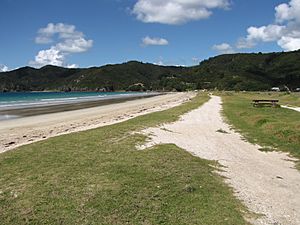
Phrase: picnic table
x=261 y=102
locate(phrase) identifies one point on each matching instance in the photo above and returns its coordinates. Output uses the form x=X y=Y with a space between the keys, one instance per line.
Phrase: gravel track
x=266 y=182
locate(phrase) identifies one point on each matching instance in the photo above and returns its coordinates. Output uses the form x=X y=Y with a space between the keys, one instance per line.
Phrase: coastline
x=26 y=130
x=69 y=106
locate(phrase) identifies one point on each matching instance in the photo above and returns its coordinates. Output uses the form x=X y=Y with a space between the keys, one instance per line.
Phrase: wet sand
x=26 y=130
x=65 y=107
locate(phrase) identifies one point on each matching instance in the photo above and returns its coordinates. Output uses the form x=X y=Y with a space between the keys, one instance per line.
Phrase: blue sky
x=76 y=33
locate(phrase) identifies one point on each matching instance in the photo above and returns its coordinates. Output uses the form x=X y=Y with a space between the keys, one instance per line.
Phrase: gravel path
x=292 y=108
x=266 y=182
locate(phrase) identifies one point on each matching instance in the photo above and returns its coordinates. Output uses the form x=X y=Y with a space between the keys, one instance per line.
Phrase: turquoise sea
x=12 y=100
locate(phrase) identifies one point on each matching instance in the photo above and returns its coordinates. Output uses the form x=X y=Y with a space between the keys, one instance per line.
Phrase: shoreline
x=26 y=130
x=69 y=106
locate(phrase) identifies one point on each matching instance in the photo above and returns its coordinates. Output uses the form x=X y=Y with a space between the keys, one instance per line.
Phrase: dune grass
x=273 y=128
x=98 y=177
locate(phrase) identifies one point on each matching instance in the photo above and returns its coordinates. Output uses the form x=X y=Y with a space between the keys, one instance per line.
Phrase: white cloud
x=289 y=43
x=287 y=12
x=43 y=40
x=244 y=43
x=64 y=31
x=223 y=48
x=163 y=62
x=3 y=68
x=72 y=66
x=154 y=41
x=176 y=11
x=74 y=45
x=285 y=30
x=268 y=33
x=265 y=33
x=50 y=56
x=67 y=40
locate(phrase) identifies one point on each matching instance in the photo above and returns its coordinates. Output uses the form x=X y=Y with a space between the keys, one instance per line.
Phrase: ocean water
x=15 y=100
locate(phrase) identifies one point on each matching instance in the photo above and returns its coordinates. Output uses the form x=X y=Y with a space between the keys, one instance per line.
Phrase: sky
x=77 y=33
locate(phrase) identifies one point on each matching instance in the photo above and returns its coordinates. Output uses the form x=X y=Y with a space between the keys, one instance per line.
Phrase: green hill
x=225 y=72
x=249 y=71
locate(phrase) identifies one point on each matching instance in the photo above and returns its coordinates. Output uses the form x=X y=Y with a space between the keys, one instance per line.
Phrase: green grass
x=98 y=177
x=284 y=98
x=289 y=99
x=273 y=128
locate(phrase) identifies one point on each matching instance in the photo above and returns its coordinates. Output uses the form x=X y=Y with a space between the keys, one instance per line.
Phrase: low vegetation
x=273 y=128
x=98 y=177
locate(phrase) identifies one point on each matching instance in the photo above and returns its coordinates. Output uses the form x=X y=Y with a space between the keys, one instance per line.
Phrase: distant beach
x=42 y=122
x=15 y=105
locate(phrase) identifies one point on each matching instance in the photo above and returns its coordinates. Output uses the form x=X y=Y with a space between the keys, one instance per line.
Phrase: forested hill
x=225 y=72
x=249 y=71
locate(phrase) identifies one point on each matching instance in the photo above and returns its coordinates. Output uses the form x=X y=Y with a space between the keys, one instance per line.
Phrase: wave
x=17 y=104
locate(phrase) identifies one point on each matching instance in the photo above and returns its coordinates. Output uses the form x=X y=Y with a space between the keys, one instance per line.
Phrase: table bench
x=261 y=102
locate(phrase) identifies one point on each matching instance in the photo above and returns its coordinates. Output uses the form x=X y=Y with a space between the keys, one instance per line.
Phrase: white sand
x=267 y=183
x=21 y=131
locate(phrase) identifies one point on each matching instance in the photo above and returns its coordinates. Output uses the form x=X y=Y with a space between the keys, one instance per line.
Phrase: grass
x=284 y=98
x=273 y=128
x=289 y=99
x=98 y=177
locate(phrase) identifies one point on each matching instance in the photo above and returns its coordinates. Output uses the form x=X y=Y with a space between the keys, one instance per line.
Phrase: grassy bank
x=98 y=177
x=284 y=98
x=277 y=128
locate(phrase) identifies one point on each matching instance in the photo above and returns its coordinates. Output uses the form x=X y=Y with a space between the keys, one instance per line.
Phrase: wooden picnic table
x=257 y=102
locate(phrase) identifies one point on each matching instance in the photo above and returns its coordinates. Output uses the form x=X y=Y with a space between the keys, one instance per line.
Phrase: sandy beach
x=26 y=130
x=47 y=107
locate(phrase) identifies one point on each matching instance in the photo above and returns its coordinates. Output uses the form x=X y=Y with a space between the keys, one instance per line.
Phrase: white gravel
x=266 y=182
x=292 y=108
